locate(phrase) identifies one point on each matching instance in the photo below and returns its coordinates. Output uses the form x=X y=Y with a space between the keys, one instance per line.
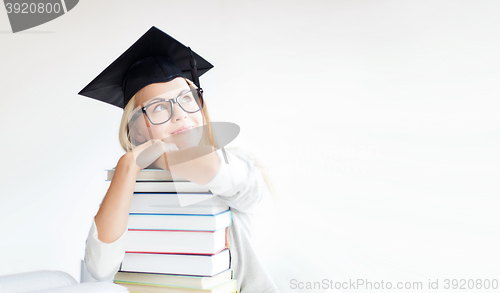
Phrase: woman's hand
x=147 y=153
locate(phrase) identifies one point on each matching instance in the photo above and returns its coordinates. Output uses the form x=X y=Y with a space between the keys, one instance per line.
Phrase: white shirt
x=238 y=183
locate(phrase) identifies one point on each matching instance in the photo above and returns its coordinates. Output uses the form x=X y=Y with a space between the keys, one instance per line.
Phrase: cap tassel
x=194 y=75
x=194 y=70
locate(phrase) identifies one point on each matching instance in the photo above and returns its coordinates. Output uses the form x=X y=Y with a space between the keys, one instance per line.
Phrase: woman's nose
x=179 y=113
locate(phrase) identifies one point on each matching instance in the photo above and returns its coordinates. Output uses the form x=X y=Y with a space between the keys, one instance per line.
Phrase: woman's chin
x=186 y=144
x=187 y=139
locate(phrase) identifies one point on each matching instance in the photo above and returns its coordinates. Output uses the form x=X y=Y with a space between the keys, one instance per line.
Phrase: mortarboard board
x=155 y=57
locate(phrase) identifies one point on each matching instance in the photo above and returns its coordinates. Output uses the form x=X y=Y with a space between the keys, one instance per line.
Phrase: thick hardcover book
x=148 y=175
x=187 y=222
x=177 y=264
x=227 y=287
x=169 y=186
x=177 y=203
x=193 y=282
x=183 y=242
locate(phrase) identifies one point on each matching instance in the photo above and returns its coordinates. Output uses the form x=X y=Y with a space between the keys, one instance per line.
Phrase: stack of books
x=177 y=238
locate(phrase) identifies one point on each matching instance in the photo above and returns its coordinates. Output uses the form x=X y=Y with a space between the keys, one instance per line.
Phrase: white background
x=378 y=120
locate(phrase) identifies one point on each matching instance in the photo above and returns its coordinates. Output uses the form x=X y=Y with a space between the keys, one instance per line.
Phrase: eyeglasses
x=160 y=110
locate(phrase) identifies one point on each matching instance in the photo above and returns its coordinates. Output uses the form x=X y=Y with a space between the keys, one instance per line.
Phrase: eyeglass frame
x=172 y=102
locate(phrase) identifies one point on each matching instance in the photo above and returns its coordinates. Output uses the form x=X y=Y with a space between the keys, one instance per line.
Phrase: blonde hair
x=207 y=138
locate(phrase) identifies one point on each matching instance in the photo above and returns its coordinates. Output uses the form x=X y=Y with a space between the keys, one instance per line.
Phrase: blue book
x=179 y=222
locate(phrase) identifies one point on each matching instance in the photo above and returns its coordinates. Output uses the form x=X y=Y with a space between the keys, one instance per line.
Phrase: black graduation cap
x=155 y=57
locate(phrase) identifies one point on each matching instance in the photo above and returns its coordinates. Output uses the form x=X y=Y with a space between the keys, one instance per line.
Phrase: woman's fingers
x=170 y=147
x=150 y=151
x=138 y=149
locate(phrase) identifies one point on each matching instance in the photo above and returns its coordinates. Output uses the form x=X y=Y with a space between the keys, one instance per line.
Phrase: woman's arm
x=105 y=243
x=111 y=219
x=239 y=183
x=103 y=259
x=197 y=164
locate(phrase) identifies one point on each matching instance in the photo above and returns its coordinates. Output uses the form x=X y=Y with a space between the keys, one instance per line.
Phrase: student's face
x=175 y=130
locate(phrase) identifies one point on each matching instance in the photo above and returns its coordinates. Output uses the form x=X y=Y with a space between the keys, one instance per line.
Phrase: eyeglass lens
x=161 y=111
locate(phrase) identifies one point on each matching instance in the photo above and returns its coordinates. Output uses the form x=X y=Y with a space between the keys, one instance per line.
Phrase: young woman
x=166 y=125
